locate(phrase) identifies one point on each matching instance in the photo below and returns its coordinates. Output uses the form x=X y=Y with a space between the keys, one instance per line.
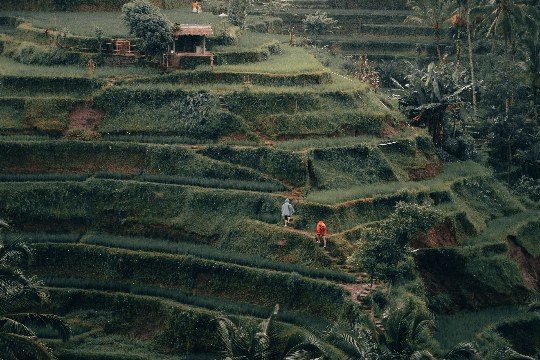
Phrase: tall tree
x=502 y=17
x=464 y=11
x=529 y=44
x=146 y=22
x=432 y=13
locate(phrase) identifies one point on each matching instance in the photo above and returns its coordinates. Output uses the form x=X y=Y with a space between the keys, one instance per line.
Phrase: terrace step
x=312 y=323
x=201 y=251
x=389 y=45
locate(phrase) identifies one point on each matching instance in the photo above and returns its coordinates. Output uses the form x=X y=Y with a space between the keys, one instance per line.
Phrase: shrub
x=146 y=22
x=237 y=12
x=30 y=53
x=528 y=187
x=318 y=23
x=385 y=251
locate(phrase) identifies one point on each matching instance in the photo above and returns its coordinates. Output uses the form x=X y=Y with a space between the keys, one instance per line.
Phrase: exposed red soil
x=387 y=130
x=293 y=194
x=233 y=137
x=358 y=290
x=83 y=116
x=529 y=266
x=145 y=328
x=441 y=235
x=428 y=171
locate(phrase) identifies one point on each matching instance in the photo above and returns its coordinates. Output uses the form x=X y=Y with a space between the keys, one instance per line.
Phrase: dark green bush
x=30 y=53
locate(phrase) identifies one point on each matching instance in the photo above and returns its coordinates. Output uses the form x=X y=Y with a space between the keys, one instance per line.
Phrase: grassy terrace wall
x=78 y=5
x=173 y=326
x=35 y=115
x=283 y=165
x=229 y=77
x=342 y=167
x=274 y=113
x=21 y=85
x=111 y=159
x=180 y=213
x=191 y=275
x=324 y=123
x=473 y=276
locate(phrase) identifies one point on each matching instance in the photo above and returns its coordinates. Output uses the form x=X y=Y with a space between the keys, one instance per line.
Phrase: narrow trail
x=360 y=294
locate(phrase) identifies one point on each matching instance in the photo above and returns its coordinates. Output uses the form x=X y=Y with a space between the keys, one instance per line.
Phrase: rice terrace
x=269 y=179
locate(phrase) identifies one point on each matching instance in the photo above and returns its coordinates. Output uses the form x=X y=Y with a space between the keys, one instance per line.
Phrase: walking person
x=321 y=232
x=287 y=211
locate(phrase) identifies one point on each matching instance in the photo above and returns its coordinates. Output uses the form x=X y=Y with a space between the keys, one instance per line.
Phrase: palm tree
x=432 y=13
x=529 y=43
x=406 y=332
x=464 y=10
x=355 y=340
x=17 y=339
x=246 y=341
x=462 y=351
x=502 y=16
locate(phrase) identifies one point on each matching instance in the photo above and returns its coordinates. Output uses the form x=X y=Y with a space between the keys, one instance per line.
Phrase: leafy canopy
x=146 y=22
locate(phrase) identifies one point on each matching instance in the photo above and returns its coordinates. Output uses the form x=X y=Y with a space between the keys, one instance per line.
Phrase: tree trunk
x=471 y=60
x=438 y=42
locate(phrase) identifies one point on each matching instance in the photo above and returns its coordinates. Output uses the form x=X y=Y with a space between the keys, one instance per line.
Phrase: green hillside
x=151 y=198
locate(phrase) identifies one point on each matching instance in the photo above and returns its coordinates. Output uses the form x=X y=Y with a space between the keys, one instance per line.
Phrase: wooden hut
x=189 y=41
x=121 y=52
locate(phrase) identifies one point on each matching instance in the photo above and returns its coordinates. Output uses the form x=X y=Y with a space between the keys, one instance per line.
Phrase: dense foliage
x=146 y=22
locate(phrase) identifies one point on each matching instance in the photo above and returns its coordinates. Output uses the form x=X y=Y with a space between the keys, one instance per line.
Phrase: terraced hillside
x=373 y=28
x=152 y=201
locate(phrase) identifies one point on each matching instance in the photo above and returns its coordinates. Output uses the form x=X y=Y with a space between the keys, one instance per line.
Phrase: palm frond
x=534 y=306
x=15 y=253
x=261 y=347
x=422 y=355
x=311 y=347
x=17 y=344
x=301 y=355
x=511 y=354
x=462 y=351
x=8 y=325
x=226 y=330
x=3 y=224
x=54 y=321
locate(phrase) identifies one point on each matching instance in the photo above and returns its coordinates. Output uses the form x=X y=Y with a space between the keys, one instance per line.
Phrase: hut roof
x=200 y=30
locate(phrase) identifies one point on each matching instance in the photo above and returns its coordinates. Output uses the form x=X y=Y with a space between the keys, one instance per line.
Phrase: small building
x=121 y=47
x=189 y=42
x=121 y=52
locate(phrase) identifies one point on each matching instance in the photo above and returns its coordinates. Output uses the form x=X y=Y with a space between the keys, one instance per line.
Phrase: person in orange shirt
x=321 y=232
